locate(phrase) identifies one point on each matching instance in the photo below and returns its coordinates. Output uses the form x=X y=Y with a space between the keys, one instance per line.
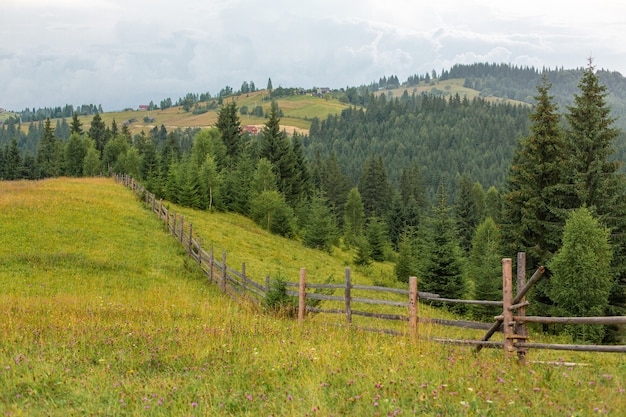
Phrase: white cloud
x=119 y=53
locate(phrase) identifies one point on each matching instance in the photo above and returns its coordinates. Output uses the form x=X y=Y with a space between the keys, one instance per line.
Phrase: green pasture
x=102 y=313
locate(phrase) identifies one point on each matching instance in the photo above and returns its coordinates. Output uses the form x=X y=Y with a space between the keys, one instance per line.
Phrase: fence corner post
x=413 y=307
x=520 y=327
x=302 y=296
x=507 y=301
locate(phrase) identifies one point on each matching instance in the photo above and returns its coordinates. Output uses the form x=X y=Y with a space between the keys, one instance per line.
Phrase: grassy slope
x=297 y=111
x=101 y=315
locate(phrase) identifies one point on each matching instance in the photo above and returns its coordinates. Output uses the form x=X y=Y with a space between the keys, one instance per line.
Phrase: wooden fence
x=239 y=286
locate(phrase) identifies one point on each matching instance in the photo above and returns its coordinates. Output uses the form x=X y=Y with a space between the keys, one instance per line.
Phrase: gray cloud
x=123 y=54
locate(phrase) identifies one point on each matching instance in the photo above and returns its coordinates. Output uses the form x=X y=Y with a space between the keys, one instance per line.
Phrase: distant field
x=297 y=110
x=101 y=313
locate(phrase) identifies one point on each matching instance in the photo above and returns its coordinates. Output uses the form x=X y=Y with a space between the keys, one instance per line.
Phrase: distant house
x=143 y=107
x=323 y=90
x=2 y=110
x=251 y=130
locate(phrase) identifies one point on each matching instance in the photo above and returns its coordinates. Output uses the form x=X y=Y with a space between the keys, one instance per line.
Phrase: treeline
x=41 y=114
x=445 y=137
x=519 y=82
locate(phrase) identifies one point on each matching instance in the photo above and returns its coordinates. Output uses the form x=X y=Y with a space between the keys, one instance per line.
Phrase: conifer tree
x=443 y=272
x=354 y=217
x=406 y=265
x=229 y=125
x=467 y=214
x=76 y=126
x=485 y=268
x=75 y=152
x=320 y=230
x=276 y=148
x=377 y=238
x=49 y=153
x=535 y=202
x=581 y=275
x=598 y=185
x=375 y=189
x=97 y=132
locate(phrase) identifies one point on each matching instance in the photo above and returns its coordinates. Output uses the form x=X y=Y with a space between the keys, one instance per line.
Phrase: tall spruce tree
x=375 y=189
x=49 y=153
x=229 y=125
x=467 y=214
x=76 y=126
x=598 y=185
x=97 y=132
x=275 y=147
x=535 y=202
x=443 y=272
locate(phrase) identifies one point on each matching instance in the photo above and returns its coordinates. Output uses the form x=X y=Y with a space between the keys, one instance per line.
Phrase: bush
x=277 y=301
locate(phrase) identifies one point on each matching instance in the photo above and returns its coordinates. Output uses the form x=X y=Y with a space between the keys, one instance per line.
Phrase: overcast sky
x=125 y=53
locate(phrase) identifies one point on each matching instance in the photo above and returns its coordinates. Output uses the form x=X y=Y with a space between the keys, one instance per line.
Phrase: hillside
x=103 y=316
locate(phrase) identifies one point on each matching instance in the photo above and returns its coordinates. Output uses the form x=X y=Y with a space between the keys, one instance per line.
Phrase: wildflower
x=194 y=404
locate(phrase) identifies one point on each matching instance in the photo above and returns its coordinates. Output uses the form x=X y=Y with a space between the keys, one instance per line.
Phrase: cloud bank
x=125 y=53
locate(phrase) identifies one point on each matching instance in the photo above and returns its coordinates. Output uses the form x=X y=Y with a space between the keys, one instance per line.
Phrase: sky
x=125 y=53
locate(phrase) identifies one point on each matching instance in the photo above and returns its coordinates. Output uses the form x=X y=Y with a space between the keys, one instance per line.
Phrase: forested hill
x=446 y=137
x=519 y=83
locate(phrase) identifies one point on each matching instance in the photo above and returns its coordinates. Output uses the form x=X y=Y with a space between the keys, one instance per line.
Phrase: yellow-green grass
x=448 y=87
x=102 y=315
x=297 y=113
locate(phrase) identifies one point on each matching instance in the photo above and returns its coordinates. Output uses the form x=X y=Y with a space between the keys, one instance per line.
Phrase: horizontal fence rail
x=240 y=287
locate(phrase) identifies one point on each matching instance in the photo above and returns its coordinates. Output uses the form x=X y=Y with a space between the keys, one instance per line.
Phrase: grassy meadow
x=102 y=314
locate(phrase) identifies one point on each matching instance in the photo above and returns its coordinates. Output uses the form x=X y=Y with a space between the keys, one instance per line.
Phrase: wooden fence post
x=302 y=296
x=153 y=202
x=182 y=223
x=243 y=279
x=211 y=264
x=189 y=240
x=199 y=248
x=348 y=297
x=174 y=226
x=520 y=327
x=160 y=207
x=413 y=307
x=507 y=298
x=223 y=282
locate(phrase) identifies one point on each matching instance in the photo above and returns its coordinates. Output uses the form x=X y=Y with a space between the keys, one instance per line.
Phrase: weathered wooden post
x=223 y=282
x=348 y=297
x=153 y=202
x=413 y=307
x=189 y=242
x=211 y=265
x=160 y=208
x=243 y=279
x=173 y=231
x=199 y=248
x=302 y=296
x=507 y=297
x=520 y=328
x=182 y=223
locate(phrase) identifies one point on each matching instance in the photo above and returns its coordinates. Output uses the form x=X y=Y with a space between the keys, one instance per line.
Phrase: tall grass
x=101 y=315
